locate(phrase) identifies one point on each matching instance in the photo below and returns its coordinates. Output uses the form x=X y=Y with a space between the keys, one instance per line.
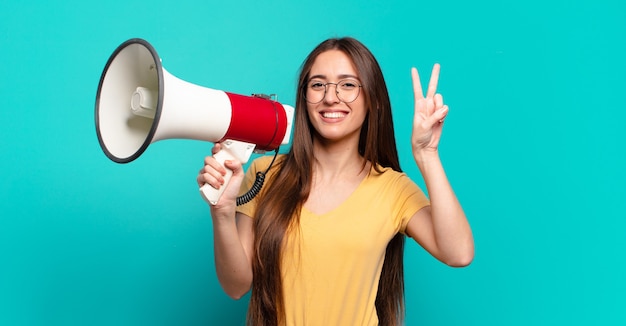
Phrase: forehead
x=333 y=64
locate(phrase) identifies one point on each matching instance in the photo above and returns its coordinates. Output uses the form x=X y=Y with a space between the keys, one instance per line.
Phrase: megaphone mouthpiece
x=144 y=102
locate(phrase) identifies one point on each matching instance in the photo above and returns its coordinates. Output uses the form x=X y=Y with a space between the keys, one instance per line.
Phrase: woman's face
x=333 y=119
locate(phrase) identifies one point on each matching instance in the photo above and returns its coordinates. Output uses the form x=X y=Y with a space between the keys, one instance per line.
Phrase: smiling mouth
x=334 y=115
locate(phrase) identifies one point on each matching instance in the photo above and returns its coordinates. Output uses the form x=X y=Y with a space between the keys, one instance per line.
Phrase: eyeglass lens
x=347 y=90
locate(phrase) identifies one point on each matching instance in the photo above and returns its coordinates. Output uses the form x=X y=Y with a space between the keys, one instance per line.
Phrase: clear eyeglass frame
x=347 y=90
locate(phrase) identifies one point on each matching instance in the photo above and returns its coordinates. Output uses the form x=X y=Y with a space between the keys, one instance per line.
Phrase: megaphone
x=139 y=102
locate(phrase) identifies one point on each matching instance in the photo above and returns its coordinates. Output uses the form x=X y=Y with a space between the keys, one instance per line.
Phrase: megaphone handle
x=231 y=150
x=210 y=194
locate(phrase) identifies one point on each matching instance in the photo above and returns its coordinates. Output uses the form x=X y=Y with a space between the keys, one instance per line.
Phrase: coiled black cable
x=257 y=185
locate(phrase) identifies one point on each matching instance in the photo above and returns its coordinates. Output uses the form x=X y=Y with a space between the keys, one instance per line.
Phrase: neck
x=337 y=161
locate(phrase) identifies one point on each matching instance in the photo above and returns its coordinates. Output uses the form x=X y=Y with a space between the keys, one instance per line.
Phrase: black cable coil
x=254 y=190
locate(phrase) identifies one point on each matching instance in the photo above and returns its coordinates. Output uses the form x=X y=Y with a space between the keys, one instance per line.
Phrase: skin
x=441 y=228
x=338 y=165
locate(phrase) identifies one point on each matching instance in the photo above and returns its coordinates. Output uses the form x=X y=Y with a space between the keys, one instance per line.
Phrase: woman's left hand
x=430 y=113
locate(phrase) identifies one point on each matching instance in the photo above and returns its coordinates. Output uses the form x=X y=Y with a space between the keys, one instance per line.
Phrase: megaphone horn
x=138 y=103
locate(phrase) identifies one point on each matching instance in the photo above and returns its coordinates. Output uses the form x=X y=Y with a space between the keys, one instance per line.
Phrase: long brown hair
x=279 y=205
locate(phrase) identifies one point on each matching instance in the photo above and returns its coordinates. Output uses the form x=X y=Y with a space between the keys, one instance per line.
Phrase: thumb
x=438 y=115
x=234 y=166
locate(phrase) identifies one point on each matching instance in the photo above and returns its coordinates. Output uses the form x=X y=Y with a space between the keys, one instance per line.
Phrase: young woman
x=322 y=244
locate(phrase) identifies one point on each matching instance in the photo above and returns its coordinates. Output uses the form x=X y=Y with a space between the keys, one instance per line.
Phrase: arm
x=233 y=235
x=233 y=239
x=442 y=228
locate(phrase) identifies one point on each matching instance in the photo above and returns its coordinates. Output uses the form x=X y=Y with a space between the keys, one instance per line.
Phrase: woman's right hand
x=212 y=173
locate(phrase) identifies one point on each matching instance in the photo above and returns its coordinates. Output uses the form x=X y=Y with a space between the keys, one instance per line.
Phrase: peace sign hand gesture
x=429 y=113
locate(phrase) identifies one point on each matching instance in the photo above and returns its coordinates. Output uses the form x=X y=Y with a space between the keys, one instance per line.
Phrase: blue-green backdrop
x=534 y=146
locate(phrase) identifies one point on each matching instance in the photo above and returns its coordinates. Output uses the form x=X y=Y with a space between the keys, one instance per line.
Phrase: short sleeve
x=411 y=199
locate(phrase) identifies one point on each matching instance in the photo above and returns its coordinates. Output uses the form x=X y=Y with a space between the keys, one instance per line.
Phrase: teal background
x=534 y=146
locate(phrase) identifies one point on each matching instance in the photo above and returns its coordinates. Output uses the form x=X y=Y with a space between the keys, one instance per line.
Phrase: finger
x=434 y=79
x=438 y=99
x=210 y=179
x=234 y=166
x=430 y=106
x=216 y=148
x=209 y=176
x=418 y=93
x=436 y=118
x=441 y=114
x=211 y=162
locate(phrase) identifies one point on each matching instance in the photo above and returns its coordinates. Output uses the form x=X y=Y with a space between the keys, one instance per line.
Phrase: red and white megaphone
x=139 y=102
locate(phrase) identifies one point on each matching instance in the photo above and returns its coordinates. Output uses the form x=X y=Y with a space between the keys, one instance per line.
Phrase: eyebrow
x=343 y=76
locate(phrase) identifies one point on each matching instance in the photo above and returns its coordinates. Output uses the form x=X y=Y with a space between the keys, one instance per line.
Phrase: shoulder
x=399 y=191
x=259 y=164
x=263 y=162
x=388 y=175
x=392 y=183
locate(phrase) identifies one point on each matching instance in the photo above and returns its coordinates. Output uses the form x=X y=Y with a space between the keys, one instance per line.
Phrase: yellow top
x=331 y=263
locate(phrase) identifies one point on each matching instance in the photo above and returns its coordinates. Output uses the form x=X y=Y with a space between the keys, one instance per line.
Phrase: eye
x=348 y=84
x=316 y=85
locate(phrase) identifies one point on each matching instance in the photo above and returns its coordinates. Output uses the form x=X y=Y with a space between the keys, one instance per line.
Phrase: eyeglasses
x=347 y=90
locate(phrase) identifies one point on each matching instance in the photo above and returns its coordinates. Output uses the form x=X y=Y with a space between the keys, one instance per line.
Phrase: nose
x=331 y=96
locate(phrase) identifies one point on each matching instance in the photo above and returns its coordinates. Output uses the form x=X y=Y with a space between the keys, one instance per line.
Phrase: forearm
x=451 y=230
x=232 y=264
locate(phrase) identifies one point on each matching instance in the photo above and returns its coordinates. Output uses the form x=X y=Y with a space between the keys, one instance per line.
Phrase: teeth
x=333 y=115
